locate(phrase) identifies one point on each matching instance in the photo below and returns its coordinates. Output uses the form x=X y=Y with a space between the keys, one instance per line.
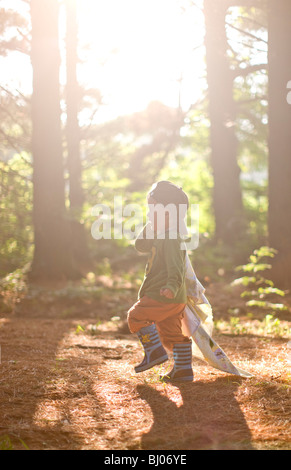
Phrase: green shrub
x=259 y=289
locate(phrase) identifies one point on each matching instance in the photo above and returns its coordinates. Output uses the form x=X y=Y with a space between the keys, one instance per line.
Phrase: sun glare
x=133 y=51
x=141 y=51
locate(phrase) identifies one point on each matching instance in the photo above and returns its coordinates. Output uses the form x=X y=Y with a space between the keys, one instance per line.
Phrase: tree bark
x=227 y=198
x=72 y=102
x=279 y=222
x=76 y=195
x=52 y=254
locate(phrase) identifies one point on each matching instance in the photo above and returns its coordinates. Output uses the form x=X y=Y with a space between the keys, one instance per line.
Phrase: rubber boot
x=182 y=370
x=154 y=351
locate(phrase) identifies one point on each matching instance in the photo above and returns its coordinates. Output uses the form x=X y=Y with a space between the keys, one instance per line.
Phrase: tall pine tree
x=227 y=197
x=280 y=139
x=73 y=95
x=52 y=255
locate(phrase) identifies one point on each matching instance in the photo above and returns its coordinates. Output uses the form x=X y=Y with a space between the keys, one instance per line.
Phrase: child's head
x=167 y=195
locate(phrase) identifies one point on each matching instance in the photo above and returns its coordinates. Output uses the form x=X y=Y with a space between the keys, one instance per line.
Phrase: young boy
x=156 y=316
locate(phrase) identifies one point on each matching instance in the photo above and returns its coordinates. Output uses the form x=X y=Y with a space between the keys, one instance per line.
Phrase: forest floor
x=67 y=382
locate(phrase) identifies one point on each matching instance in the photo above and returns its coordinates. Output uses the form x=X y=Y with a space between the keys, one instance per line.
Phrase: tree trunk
x=52 y=255
x=79 y=242
x=227 y=198
x=280 y=139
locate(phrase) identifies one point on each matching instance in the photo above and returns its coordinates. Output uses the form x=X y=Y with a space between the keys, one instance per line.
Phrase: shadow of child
x=209 y=417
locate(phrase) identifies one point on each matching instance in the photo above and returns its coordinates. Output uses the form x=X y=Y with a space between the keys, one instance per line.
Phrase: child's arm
x=145 y=239
x=175 y=262
x=167 y=293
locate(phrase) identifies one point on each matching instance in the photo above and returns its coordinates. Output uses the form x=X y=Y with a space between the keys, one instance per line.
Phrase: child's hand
x=167 y=293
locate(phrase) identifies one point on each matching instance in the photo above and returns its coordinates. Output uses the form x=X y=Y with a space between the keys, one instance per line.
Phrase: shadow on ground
x=209 y=417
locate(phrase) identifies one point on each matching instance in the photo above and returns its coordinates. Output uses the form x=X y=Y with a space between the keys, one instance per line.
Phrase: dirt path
x=69 y=384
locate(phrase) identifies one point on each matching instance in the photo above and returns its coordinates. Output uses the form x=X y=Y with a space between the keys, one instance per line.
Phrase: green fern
x=258 y=286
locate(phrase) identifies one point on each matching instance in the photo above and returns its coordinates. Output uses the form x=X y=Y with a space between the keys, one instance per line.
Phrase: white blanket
x=198 y=324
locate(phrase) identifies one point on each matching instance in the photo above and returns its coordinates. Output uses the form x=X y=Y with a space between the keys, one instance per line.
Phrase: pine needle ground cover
x=67 y=382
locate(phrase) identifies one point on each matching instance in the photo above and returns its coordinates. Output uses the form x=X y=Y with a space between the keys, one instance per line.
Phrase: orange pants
x=167 y=317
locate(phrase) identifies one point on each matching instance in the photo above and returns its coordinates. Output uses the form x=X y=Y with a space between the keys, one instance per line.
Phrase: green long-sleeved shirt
x=165 y=268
